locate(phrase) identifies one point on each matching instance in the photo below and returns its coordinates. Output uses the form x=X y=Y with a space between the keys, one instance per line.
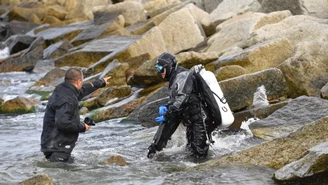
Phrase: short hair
x=73 y=74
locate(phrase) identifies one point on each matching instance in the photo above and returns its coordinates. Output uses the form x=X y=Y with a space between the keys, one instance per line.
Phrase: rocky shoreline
x=246 y=44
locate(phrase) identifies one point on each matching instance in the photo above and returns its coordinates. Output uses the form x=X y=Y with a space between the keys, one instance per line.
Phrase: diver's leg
x=198 y=143
x=189 y=136
x=60 y=157
x=163 y=134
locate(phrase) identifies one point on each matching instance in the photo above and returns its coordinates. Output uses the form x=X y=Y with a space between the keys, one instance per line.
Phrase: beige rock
x=70 y=5
x=324 y=91
x=313 y=163
x=146 y=74
x=189 y=59
x=19 y=105
x=279 y=152
x=231 y=51
x=51 y=78
x=196 y=12
x=35 y=19
x=151 y=42
x=230 y=71
x=113 y=111
x=42 y=179
x=50 y=20
x=258 y=57
x=156 y=7
x=226 y=10
x=10 y=2
x=180 y=31
x=80 y=58
x=306 y=70
x=239 y=90
x=57 y=11
x=158 y=17
x=141 y=27
x=132 y=12
x=24 y=14
x=119 y=160
x=113 y=92
x=296 y=29
x=235 y=31
x=82 y=8
x=134 y=63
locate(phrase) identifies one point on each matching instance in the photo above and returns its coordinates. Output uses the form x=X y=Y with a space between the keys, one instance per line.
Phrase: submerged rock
x=19 y=105
x=36 y=180
x=119 y=160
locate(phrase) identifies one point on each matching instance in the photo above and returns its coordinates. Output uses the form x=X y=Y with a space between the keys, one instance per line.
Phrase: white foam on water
x=245 y=125
x=4 y=53
x=227 y=143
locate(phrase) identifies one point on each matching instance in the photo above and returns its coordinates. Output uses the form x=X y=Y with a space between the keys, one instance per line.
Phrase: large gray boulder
x=314 y=162
x=239 y=90
x=296 y=114
x=316 y=8
x=306 y=70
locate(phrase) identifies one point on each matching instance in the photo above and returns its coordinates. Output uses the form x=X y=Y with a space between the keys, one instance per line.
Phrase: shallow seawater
x=21 y=157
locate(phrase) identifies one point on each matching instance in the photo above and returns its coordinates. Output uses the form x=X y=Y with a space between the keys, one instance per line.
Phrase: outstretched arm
x=88 y=88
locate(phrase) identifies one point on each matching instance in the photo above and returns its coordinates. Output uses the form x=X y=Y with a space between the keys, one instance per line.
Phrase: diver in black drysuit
x=185 y=105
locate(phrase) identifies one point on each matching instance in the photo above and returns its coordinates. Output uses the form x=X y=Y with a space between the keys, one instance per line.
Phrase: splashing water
x=260 y=98
x=4 y=53
x=245 y=125
x=226 y=141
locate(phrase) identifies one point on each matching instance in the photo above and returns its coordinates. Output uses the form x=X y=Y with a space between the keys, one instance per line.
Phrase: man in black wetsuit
x=61 y=122
x=184 y=105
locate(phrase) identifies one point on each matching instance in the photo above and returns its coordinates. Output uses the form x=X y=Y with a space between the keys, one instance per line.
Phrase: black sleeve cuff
x=99 y=83
x=103 y=82
x=83 y=127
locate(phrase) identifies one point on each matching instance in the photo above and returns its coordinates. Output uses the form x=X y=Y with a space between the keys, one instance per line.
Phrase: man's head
x=166 y=65
x=75 y=77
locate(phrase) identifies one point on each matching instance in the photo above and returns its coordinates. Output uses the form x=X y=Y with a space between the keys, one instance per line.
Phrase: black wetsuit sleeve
x=64 y=119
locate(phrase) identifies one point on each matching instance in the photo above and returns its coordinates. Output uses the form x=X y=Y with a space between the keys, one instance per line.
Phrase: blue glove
x=160 y=119
x=162 y=109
